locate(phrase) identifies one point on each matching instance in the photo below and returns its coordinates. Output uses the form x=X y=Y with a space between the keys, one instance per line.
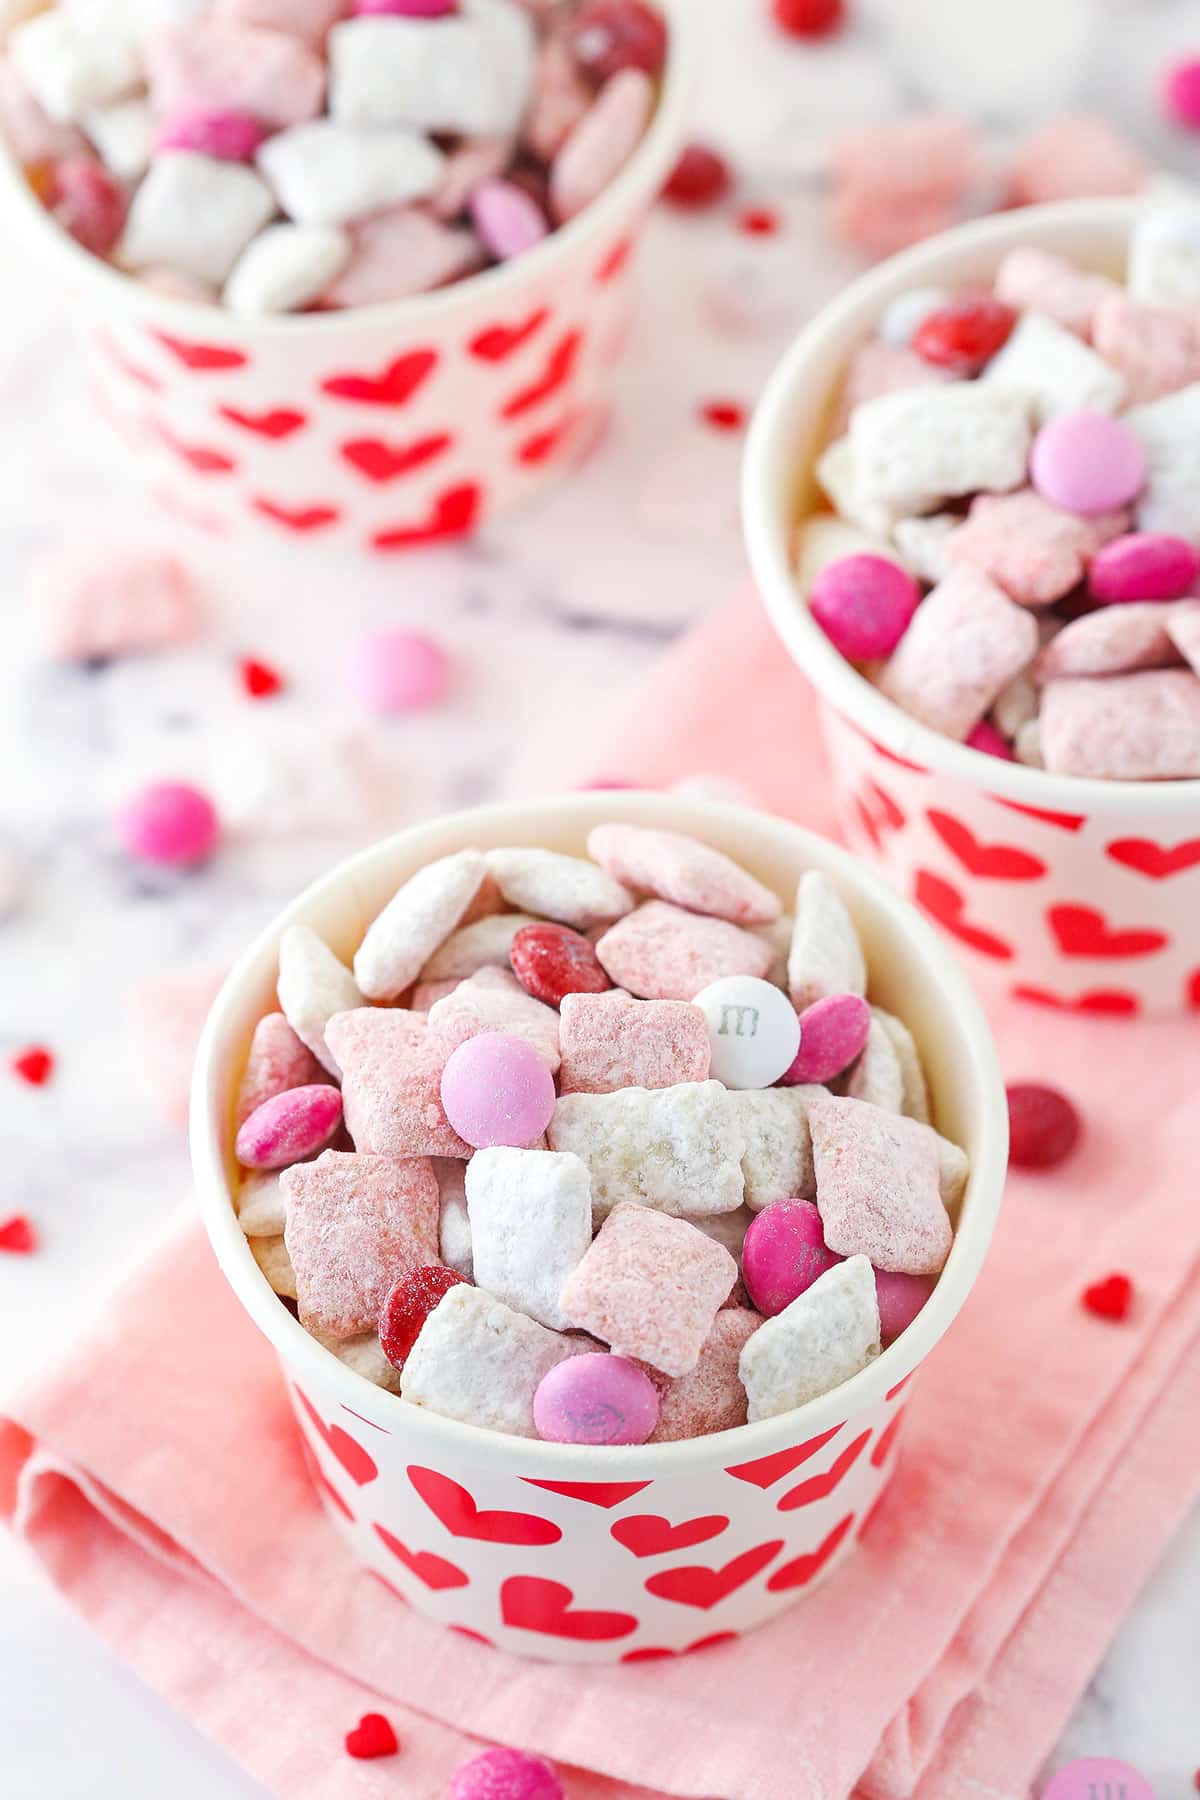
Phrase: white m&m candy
x=753 y=1030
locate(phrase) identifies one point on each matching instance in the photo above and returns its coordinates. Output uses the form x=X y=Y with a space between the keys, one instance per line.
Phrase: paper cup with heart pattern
x=600 y=1554
x=378 y=428
x=1067 y=893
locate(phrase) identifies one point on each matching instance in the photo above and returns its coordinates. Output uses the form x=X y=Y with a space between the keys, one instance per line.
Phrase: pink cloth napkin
x=1048 y=1457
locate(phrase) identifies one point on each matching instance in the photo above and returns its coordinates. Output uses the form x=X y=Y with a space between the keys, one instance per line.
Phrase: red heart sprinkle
x=723 y=415
x=758 y=221
x=371 y=1737
x=259 y=679
x=1110 y=1298
x=17 y=1236
x=35 y=1065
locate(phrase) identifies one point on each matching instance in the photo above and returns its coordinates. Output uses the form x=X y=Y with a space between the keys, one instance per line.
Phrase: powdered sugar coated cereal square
x=939 y=442
x=876 y=1076
x=878 y=1188
x=825 y=956
x=478 y=1361
x=877 y=368
x=674 y=867
x=494 y=1000
x=777 y=1160
x=277 y=1061
x=261 y=1210
x=1058 y=372
x=568 y=889
x=313 y=985
x=1114 y=640
x=922 y=544
x=1184 y=631
x=1036 y=281
x=484 y=944
x=531 y=1222
x=364 y=1355
x=1028 y=547
x=839 y=470
x=1156 y=348
x=1164 y=257
x=454 y=1224
x=270 y=1253
x=355 y=1224
x=650 y=1287
x=1169 y=431
x=966 y=642
x=392 y=1084
x=829 y=1333
x=1143 y=727
x=661 y=952
x=611 y=1041
x=426 y=994
x=914 y=1089
x=709 y=1397
x=415 y=921
x=677 y=1150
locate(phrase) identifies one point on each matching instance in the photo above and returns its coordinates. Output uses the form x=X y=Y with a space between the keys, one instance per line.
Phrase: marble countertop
x=550 y=617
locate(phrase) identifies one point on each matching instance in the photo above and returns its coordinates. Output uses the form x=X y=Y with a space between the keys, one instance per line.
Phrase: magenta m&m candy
x=595 y=1399
x=1143 y=565
x=169 y=822
x=1087 y=463
x=900 y=1298
x=1181 y=93
x=864 y=604
x=289 y=1127
x=986 y=738
x=833 y=1031
x=783 y=1254
x=497 y=1090
x=229 y=136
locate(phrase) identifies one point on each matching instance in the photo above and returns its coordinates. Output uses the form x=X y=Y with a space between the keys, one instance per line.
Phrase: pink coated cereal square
x=212 y=65
x=307 y=19
x=494 y=1000
x=651 y=1287
x=661 y=952
x=711 y=1396
x=113 y=601
x=277 y=1061
x=1114 y=640
x=355 y=1224
x=1141 y=727
x=1028 y=547
x=1183 y=628
x=966 y=642
x=1155 y=348
x=400 y=252
x=392 y=1066
x=878 y=1186
x=671 y=866
x=611 y=1041
x=1034 y=280
x=1074 y=158
x=877 y=368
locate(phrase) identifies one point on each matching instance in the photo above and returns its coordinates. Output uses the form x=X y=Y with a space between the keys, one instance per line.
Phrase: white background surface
x=550 y=618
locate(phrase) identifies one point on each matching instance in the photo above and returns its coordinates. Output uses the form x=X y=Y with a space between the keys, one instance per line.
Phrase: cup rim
x=770 y=537
x=643 y=174
x=299 y=1351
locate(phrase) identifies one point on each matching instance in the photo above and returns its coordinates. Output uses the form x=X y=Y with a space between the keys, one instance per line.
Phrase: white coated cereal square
x=825 y=1336
x=531 y=1222
x=1169 y=431
x=939 y=441
x=325 y=173
x=285 y=268
x=484 y=944
x=471 y=74
x=568 y=889
x=313 y=986
x=826 y=538
x=839 y=472
x=271 y=1255
x=1164 y=257
x=70 y=68
x=260 y=1206
x=825 y=956
x=478 y=1361
x=922 y=544
x=123 y=133
x=415 y=921
x=454 y=1223
x=1058 y=372
x=364 y=1355
x=914 y=1089
x=777 y=1161
x=876 y=1076
x=194 y=214
x=677 y=1150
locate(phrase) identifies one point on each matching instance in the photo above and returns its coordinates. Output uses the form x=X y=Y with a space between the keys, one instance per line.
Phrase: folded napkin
x=1048 y=1456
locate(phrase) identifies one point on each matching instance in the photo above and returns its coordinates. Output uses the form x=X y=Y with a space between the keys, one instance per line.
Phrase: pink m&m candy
x=900 y=1298
x=1087 y=463
x=1143 y=565
x=398 y=671
x=405 y=9
x=783 y=1254
x=508 y=220
x=506 y=1775
x=497 y=1090
x=833 y=1031
x=991 y=742
x=596 y=1399
x=228 y=136
x=864 y=604
x=169 y=822
x=289 y=1127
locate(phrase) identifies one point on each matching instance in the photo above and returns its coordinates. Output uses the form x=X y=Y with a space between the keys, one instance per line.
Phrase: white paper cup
x=587 y=1554
x=1068 y=893
x=460 y=403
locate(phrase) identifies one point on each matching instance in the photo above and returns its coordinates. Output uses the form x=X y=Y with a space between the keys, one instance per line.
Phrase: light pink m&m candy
x=228 y=136
x=833 y=1031
x=506 y=1775
x=289 y=1127
x=398 y=671
x=497 y=1090
x=1143 y=565
x=169 y=822
x=595 y=1399
x=507 y=220
x=1087 y=463
x=900 y=1298
x=783 y=1254
x=864 y=605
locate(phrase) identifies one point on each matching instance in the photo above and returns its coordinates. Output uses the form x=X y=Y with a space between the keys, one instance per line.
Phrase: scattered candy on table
x=533 y=1201
x=371 y=1737
x=17 y=1236
x=1013 y=551
x=1111 y=1298
x=398 y=671
x=1043 y=1125
x=169 y=822
x=278 y=164
x=506 y=1775
x=34 y=1065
